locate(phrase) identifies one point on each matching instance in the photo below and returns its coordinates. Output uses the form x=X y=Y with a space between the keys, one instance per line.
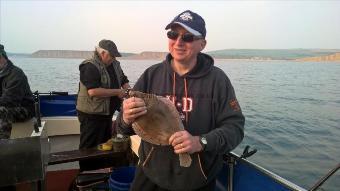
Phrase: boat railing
x=54 y=103
x=232 y=159
x=323 y=179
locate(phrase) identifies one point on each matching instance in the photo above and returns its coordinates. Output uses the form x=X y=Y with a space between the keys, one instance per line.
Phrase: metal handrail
x=270 y=174
x=324 y=178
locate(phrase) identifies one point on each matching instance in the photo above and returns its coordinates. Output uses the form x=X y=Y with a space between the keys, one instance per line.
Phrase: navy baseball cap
x=110 y=47
x=191 y=21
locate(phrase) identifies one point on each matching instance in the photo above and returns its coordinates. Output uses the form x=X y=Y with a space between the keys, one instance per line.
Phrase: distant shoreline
x=316 y=55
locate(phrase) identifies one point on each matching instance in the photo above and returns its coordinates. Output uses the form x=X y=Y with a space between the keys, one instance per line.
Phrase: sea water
x=292 y=109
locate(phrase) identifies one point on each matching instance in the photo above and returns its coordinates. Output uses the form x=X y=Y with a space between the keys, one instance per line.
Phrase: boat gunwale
x=270 y=174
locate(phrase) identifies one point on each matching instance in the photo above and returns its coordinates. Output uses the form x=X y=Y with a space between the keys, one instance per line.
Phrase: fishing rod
x=324 y=178
x=51 y=93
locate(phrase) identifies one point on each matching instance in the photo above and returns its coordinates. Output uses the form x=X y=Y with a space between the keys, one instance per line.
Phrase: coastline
x=216 y=59
x=240 y=55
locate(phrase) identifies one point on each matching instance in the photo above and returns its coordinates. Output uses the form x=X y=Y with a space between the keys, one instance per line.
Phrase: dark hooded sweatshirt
x=15 y=90
x=207 y=105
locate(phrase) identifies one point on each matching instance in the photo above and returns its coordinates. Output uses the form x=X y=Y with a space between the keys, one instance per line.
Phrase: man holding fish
x=207 y=106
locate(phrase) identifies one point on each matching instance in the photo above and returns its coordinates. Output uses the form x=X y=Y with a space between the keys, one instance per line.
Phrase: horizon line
x=8 y=52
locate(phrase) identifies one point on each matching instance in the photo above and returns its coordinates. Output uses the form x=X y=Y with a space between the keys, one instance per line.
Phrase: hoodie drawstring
x=174 y=88
x=186 y=96
x=186 y=100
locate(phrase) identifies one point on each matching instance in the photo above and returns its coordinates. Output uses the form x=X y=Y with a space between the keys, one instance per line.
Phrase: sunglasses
x=187 y=37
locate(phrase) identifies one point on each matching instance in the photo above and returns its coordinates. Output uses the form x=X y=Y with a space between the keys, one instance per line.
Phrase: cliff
x=67 y=54
x=148 y=55
x=332 y=57
x=62 y=54
x=252 y=54
x=271 y=54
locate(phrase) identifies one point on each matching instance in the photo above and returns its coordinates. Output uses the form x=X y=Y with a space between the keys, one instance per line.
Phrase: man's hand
x=132 y=108
x=121 y=93
x=184 y=142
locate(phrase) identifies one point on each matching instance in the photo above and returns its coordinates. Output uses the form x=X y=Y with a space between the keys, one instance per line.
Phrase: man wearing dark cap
x=205 y=99
x=101 y=88
x=16 y=98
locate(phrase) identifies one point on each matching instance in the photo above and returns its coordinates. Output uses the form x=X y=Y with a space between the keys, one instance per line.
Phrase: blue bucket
x=121 y=178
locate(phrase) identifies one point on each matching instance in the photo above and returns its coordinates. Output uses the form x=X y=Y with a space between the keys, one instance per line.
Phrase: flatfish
x=159 y=123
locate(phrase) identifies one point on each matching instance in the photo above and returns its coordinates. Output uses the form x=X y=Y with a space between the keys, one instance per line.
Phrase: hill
x=271 y=54
x=332 y=57
x=66 y=54
x=253 y=54
x=148 y=55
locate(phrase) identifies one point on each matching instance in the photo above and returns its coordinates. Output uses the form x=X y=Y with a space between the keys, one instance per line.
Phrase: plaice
x=159 y=123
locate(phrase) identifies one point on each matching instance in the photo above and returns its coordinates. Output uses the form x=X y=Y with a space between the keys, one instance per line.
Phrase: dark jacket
x=15 y=90
x=211 y=110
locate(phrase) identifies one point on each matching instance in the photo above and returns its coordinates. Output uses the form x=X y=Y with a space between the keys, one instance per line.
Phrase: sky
x=135 y=26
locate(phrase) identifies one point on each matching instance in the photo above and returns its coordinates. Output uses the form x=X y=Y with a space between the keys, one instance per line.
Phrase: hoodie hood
x=204 y=65
x=6 y=69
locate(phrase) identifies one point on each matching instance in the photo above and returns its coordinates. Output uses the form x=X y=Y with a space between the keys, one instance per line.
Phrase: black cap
x=191 y=21
x=110 y=47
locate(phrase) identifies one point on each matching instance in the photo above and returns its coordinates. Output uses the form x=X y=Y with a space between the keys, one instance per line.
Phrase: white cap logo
x=186 y=16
